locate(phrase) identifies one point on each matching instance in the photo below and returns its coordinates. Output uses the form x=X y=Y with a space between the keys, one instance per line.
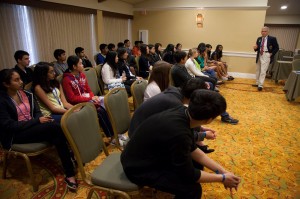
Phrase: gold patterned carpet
x=263 y=149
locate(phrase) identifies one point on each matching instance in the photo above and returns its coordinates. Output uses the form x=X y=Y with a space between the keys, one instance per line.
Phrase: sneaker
x=229 y=120
x=122 y=137
x=224 y=78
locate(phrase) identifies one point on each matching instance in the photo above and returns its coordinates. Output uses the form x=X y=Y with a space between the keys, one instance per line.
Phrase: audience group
x=182 y=90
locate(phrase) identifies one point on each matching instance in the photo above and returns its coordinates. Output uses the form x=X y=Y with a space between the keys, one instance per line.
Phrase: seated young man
x=161 y=155
x=100 y=59
x=60 y=66
x=79 y=51
x=180 y=76
x=22 y=59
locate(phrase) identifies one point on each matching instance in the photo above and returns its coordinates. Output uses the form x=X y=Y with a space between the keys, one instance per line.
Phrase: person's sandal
x=71 y=185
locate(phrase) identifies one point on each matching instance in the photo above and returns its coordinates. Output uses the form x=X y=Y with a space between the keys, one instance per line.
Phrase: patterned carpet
x=263 y=149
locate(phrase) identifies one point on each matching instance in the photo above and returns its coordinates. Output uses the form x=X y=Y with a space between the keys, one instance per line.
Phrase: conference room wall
x=236 y=30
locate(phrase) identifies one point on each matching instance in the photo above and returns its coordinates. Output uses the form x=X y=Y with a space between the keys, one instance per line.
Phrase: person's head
x=202 y=50
x=208 y=47
x=170 y=48
x=10 y=80
x=112 y=59
x=265 y=31
x=103 y=48
x=205 y=106
x=180 y=57
x=122 y=53
x=136 y=43
x=127 y=43
x=151 y=49
x=44 y=75
x=158 y=47
x=178 y=47
x=60 y=55
x=120 y=45
x=75 y=63
x=160 y=74
x=79 y=51
x=193 y=53
x=219 y=48
x=22 y=58
x=201 y=46
x=111 y=47
x=190 y=86
x=144 y=49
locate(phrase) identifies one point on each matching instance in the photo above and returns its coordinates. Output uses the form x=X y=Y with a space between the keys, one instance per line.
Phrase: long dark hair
x=169 y=48
x=219 y=53
x=40 y=74
x=160 y=74
x=156 y=48
x=111 y=61
x=5 y=77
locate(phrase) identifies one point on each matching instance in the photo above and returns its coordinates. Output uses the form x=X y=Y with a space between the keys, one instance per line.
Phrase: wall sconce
x=199 y=20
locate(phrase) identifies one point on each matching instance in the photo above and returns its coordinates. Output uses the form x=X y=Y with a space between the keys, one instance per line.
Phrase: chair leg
x=29 y=168
x=5 y=162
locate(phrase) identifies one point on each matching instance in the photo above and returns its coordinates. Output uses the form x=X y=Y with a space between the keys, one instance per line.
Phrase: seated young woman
x=159 y=79
x=110 y=73
x=49 y=92
x=77 y=90
x=194 y=71
x=21 y=121
x=217 y=57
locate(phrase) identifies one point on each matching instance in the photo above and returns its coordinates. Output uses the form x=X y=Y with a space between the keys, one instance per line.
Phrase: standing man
x=22 y=59
x=266 y=47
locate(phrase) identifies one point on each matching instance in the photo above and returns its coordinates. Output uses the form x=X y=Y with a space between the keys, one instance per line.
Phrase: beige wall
x=236 y=30
x=298 y=43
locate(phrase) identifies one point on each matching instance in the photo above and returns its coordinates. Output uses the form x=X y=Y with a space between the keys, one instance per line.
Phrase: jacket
x=9 y=123
x=272 y=46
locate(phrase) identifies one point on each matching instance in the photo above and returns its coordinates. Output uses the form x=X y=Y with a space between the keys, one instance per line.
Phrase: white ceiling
x=274 y=9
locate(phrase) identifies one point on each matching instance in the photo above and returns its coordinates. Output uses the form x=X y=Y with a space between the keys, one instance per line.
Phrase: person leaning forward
x=161 y=155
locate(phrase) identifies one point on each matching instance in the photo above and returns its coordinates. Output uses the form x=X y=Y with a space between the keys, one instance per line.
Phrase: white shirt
x=152 y=89
x=192 y=69
x=108 y=75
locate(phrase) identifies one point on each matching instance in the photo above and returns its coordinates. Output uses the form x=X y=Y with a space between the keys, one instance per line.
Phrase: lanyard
x=54 y=92
x=18 y=108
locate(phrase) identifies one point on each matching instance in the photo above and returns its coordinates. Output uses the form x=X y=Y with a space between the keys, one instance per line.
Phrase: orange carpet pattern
x=263 y=149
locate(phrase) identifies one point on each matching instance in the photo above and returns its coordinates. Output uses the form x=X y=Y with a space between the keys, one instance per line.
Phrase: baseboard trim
x=242 y=75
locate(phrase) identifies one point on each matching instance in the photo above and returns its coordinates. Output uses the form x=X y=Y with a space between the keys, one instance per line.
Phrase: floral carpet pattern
x=263 y=149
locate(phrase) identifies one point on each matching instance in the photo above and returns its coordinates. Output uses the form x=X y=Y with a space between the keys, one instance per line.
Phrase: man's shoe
x=255 y=85
x=259 y=88
x=229 y=120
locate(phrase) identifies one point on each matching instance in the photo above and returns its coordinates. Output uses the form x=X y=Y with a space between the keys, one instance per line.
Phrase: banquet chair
x=98 y=69
x=92 y=80
x=25 y=151
x=296 y=57
x=117 y=107
x=137 y=90
x=82 y=130
x=296 y=65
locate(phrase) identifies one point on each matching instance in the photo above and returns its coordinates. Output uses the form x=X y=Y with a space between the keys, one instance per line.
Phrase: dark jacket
x=179 y=75
x=272 y=46
x=25 y=77
x=9 y=123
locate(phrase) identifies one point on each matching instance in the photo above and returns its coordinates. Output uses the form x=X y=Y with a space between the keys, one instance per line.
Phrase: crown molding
x=203 y=8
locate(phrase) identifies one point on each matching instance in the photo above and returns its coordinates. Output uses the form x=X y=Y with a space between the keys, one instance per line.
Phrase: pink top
x=23 y=108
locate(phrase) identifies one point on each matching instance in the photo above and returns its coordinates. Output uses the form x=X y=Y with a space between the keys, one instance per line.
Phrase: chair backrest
x=92 y=79
x=117 y=107
x=137 y=90
x=137 y=59
x=98 y=69
x=81 y=128
x=296 y=65
x=296 y=57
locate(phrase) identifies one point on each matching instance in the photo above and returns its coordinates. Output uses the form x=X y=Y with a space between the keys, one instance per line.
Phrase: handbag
x=115 y=85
